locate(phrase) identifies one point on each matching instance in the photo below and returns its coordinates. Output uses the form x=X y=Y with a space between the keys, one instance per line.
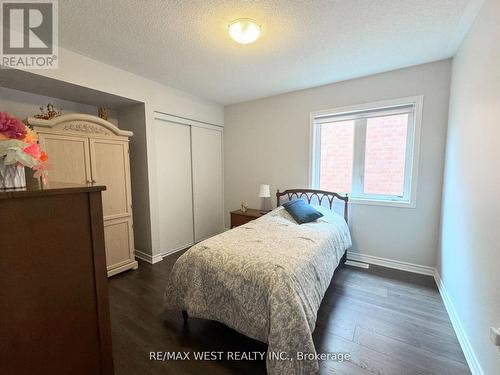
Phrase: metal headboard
x=309 y=194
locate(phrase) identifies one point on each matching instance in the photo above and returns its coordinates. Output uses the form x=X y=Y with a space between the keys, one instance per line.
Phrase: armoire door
x=110 y=167
x=119 y=243
x=69 y=158
x=206 y=144
x=173 y=172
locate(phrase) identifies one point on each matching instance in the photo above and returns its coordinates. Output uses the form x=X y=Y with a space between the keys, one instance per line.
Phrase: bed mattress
x=265 y=279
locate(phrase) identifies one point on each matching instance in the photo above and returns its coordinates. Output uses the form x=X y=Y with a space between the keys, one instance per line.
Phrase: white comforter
x=265 y=279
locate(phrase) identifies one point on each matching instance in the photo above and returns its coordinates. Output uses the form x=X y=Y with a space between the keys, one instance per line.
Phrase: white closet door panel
x=173 y=168
x=207 y=181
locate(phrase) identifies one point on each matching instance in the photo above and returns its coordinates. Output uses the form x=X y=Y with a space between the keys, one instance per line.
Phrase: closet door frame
x=190 y=122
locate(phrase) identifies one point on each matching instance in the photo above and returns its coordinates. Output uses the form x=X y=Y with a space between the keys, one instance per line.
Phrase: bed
x=266 y=279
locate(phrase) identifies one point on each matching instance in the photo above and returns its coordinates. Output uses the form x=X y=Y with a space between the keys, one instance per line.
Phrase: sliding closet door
x=207 y=181
x=173 y=165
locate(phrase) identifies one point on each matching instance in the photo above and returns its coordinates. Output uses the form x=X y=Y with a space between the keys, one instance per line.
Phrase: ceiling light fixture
x=244 y=30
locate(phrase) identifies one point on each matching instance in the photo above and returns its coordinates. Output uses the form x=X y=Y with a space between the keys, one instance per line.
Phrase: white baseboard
x=170 y=252
x=465 y=344
x=148 y=258
x=389 y=263
x=470 y=356
x=158 y=257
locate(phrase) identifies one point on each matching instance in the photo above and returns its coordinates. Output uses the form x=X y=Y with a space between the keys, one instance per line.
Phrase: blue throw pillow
x=301 y=211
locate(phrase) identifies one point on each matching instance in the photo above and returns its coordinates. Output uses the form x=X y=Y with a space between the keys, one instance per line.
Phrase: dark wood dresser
x=54 y=316
x=239 y=217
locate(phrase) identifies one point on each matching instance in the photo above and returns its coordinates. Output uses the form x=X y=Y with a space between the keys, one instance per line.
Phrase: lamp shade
x=264 y=191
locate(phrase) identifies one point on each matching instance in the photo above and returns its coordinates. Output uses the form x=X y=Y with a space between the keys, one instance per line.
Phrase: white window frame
x=409 y=200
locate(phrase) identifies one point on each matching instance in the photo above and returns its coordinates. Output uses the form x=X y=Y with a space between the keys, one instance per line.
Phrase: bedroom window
x=369 y=151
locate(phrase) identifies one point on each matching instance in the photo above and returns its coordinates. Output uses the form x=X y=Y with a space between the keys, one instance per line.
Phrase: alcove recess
x=22 y=93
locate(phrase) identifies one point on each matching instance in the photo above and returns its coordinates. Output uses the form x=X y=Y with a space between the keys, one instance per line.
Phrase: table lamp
x=265 y=195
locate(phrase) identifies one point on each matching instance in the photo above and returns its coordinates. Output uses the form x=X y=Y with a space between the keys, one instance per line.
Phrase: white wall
x=469 y=252
x=132 y=118
x=267 y=141
x=86 y=72
x=22 y=105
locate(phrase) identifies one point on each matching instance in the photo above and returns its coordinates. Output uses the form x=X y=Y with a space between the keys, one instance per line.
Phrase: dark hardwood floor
x=391 y=322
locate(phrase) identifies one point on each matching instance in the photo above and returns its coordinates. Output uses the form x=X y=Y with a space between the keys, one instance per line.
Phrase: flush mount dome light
x=244 y=30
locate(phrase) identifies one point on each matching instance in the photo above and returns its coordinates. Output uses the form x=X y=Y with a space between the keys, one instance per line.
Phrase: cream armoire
x=86 y=149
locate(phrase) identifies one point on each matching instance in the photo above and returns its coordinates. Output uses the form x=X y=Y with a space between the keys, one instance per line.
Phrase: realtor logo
x=29 y=34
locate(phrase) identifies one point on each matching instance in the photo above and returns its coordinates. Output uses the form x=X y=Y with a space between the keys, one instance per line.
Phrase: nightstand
x=239 y=217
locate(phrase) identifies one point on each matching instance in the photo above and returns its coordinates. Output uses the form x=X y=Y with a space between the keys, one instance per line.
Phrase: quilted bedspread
x=265 y=279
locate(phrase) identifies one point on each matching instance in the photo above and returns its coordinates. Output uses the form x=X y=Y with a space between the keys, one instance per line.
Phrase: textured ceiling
x=304 y=43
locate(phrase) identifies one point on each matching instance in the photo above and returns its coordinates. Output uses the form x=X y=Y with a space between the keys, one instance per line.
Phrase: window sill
x=380 y=202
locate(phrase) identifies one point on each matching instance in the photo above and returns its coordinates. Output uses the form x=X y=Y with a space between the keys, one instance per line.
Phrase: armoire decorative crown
x=81 y=123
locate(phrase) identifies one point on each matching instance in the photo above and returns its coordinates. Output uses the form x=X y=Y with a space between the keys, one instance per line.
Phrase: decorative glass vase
x=12 y=176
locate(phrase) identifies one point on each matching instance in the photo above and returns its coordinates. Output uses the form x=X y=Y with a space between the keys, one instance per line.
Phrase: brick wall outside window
x=384 y=155
x=337 y=145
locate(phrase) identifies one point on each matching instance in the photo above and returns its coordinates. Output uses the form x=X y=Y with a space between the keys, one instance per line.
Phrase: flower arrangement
x=19 y=146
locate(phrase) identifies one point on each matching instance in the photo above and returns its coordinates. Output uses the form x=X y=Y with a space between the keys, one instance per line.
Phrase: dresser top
x=250 y=212
x=54 y=188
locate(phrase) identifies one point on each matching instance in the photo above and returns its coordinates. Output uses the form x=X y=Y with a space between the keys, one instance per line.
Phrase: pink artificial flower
x=33 y=150
x=11 y=127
